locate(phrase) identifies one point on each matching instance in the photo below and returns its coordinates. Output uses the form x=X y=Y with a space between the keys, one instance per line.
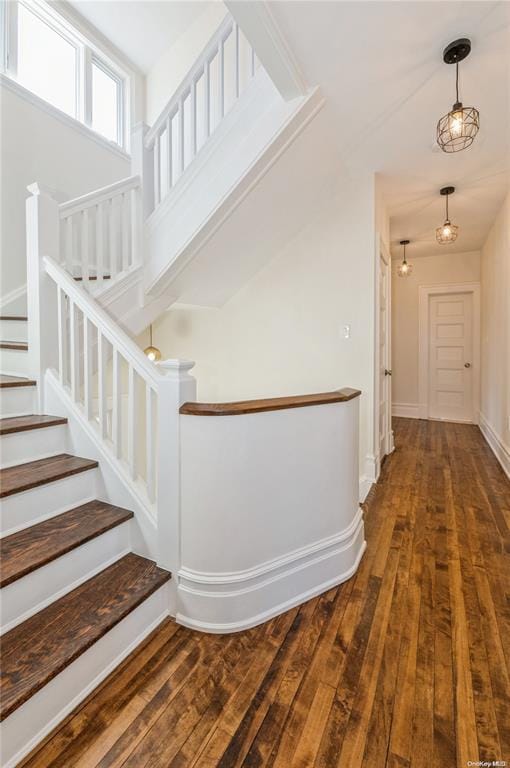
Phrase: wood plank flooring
x=404 y=666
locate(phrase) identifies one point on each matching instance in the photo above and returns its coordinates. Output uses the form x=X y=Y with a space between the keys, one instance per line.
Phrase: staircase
x=75 y=599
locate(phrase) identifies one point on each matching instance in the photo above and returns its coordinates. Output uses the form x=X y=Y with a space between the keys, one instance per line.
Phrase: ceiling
x=380 y=67
x=141 y=29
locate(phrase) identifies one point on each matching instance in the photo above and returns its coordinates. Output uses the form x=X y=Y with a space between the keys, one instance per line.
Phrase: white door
x=451 y=357
x=385 y=441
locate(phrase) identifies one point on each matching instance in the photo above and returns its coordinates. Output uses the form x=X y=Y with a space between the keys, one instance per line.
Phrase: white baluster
x=101 y=383
x=73 y=339
x=221 y=75
x=169 y=157
x=237 y=61
x=150 y=471
x=135 y=213
x=69 y=243
x=157 y=173
x=99 y=244
x=61 y=333
x=132 y=421
x=87 y=367
x=117 y=404
x=181 y=136
x=112 y=229
x=85 y=248
x=207 y=100
x=125 y=231
x=193 y=118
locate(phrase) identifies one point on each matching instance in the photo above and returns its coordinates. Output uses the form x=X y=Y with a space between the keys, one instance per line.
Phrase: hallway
x=406 y=665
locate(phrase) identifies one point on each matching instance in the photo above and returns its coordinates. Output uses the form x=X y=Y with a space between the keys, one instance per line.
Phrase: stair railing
x=100 y=232
x=212 y=86
x=96 y=364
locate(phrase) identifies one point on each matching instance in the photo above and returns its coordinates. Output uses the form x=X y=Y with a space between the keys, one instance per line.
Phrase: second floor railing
x=100 y=232
x=207 y=93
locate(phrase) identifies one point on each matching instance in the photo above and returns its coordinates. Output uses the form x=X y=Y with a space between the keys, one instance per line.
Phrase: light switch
x=346 y=331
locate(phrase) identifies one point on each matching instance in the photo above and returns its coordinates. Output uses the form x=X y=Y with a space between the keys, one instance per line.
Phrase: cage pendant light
x=457 y=129
x=404 y=269
x=152 y=352
x=448 y=232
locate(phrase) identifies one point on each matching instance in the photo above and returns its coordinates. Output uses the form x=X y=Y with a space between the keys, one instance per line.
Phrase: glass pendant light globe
x=447 y=232
x=457 y=129
x=404 y=269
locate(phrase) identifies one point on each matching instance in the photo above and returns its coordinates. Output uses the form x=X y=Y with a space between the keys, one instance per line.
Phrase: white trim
x=67 y=120
x=406 y=410
x=496 y=444
x=314 y=570
x=425 y=291
x=365 y=485
x=16 y=293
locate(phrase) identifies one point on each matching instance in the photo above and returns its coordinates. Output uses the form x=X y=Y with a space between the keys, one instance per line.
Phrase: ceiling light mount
x=457 y=129
x=457 y=51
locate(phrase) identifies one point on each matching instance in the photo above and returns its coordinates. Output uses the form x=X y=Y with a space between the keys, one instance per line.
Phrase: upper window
x=51 y=59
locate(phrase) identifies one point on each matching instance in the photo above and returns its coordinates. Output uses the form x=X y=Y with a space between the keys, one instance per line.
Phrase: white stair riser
x=29 y=507
x=29 y=724
x=14 y=362
x=32 y=444
x=13 y=330
x=17 y=401
x=43 y=586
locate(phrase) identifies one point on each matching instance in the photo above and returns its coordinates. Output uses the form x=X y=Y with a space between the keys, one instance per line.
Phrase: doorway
x=449 y=352
x=384 y=432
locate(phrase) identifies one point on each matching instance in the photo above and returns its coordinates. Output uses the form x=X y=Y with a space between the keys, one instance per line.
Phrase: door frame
x=383 y=253
x=425 y=292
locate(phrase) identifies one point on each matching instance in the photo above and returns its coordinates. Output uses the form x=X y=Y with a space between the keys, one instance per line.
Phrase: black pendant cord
x=447 y=196
x=457 y=82
x=404 y=261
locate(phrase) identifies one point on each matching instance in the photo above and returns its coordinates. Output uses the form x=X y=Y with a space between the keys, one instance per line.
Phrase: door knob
x=387 y=372
x=467 y=365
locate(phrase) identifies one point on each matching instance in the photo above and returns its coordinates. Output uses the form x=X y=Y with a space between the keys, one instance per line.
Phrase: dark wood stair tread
x=29 y=549
x=23 y=423
x=6 y=382
x=22 y=345
x=94 y=277
x=13 y=317
x=22 y=477
x=34 y=652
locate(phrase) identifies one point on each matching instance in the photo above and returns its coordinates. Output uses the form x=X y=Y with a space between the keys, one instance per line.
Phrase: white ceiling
x=141 y=29
x=380 y=67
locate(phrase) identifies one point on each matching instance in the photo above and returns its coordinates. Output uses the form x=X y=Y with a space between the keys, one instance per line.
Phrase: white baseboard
x=225 y=603
x=365 y=484
x=406 y=410
x=498 y=447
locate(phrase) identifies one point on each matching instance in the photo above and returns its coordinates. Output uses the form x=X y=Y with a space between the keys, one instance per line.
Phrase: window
x=55 y=80
x=50 y=58
x=105 y=102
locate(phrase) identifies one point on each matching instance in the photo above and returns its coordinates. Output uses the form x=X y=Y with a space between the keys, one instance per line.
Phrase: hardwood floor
x=406 y=665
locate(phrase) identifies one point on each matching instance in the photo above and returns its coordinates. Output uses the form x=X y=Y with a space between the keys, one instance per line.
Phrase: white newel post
x=142 y=165
x=42 y=224
x=176 y=388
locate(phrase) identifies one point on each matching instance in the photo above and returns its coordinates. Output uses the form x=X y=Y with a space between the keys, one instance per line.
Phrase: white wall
x=495 y=335
x=427 y=270
x=37 y=146
x=166 y=75
x=282 y=332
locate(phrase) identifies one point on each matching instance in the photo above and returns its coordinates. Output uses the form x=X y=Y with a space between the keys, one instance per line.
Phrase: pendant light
x=152 y=353
x=457 y=129
x=448 y=232
x=404 y=269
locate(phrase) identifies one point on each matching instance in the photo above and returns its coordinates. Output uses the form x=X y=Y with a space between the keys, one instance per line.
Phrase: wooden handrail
x=268 y=404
